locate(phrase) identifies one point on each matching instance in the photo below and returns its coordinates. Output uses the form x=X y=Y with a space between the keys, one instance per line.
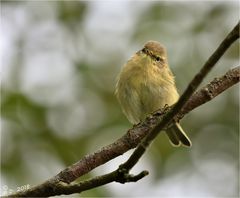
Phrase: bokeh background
x=59 y=62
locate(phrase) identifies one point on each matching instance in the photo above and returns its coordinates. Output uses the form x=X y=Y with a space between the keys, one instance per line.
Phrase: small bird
x=146 y=84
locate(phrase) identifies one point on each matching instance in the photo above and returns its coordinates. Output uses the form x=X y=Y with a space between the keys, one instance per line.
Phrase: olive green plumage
x=146 y=84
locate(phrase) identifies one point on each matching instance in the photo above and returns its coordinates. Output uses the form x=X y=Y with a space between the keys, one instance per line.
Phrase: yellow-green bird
x=146 y=84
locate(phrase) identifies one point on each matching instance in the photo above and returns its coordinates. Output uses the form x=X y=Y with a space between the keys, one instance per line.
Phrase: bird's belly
x=145 y=91
x=147 y=96
x=154 y=97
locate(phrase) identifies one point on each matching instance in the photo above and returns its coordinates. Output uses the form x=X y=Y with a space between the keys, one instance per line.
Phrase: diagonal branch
x=154 y=124
x=211 y=90
x=130 y=140
x=125 y=143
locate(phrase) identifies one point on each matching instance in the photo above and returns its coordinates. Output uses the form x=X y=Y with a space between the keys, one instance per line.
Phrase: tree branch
x=125 y=143
x=211 y=90
x=60 y=183
x=130 y=140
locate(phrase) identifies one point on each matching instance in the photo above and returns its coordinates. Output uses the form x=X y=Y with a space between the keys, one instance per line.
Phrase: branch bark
x=211 y=90
x=155 y=123
x=128 y=141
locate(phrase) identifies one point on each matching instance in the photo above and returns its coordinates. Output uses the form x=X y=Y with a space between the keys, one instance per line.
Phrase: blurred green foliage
x=60 y=60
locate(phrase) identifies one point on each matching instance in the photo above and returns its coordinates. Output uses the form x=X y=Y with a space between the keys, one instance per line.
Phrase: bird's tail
x=177 y=136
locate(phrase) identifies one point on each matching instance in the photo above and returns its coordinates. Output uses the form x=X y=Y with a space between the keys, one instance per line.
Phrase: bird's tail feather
x=176 y=136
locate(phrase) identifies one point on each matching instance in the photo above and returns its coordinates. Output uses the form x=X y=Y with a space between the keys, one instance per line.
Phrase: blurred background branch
x=59 y=62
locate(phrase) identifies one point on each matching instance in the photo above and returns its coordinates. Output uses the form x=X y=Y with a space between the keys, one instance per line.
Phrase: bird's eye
x=158 y=58
x=144 y=50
